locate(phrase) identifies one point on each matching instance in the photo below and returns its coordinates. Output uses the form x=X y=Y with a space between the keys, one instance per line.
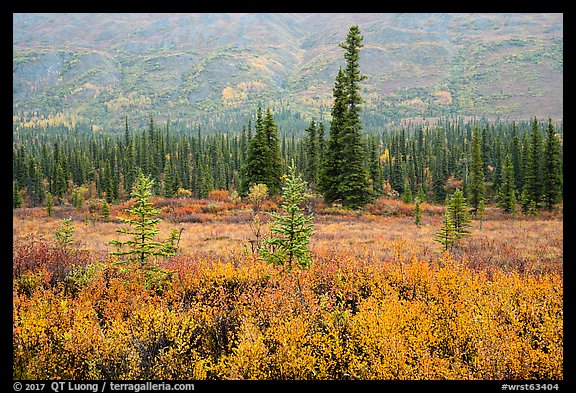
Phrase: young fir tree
x=105 y=210
x=459 y=215
x=64 y=234
x=446 y=235
x=552 y=191
x=417 y=213
x=49 y=204
x=142 y=246
x=507 y=192
x=291 y=231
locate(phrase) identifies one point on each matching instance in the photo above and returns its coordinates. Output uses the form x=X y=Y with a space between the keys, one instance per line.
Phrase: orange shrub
x=230 y=316
x=219 y=195
x=390 y=207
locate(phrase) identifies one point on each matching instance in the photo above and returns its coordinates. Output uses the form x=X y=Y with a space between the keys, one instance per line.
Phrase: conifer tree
x=332 y=164
x=64 y=233
x=507 y=192
x=459 y=215
x=49 y=204
x=17 y=201
x=274 y=164
x=516 y=157
x=263 y=162
x=481 y=211
x=552 y=190
x=344 y=176
x=291 y=231
x=312 y=156
x=532 y=191
x=142 y=246
x=105 y=210
x=446 y=234
x=477 y=188
x=353 y=186
x=417 y=213
x=375 y=168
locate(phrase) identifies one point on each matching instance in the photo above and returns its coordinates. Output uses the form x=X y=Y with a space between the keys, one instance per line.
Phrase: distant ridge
x=104 y=66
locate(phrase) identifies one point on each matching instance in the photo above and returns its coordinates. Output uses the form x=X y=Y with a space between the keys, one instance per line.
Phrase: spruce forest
x=289 y=246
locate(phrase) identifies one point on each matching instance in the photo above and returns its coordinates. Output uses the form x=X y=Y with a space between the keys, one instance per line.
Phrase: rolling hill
x=185 y=66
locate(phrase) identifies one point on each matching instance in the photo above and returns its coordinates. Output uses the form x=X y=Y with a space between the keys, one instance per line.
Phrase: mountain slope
x=103 y=66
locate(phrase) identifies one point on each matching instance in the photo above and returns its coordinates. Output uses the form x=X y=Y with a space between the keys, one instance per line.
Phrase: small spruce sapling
x=417 y=213
x=142 y=247
x=290 y=232
x=64 y=233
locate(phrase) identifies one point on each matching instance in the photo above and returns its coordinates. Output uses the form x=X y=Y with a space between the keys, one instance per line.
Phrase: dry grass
x=533 y=242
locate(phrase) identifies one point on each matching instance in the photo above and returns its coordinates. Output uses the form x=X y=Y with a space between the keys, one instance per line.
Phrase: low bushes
x=228 y=316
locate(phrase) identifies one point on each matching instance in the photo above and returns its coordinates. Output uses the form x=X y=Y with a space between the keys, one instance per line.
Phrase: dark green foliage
x=49 y=204
x=105 y=210
x=332 y=164
x=142 y=246
x=17 y=200
x=459 y=214
x=507 y=192
x=477 y=187
x=64 y=234
x=480 y=212
x=376 y=175
x=456 y=221
x=345 y=177
x=426 y=158
x=417 y=213
x=446 y=234
x=263 y=163
x=290 y=232
x=552 y=190
x=533 y=175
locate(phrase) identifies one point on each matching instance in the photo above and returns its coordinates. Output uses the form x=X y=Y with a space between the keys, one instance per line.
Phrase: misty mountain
x=181 y=66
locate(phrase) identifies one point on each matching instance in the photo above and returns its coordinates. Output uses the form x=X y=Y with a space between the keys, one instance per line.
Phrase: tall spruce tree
x=507 y=192
x=312 y=156
x=274 y=164
x=533 y=181
x=552 y=190
x=345 y=176
x=332 y=164
x=353 y=185
x=477 y=188
x=263 y=162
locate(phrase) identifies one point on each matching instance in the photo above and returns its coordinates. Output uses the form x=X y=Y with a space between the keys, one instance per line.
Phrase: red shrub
x=34 y=253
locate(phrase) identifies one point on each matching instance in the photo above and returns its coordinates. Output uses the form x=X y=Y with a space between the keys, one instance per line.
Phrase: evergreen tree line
x=489 y=161
x=505 y=163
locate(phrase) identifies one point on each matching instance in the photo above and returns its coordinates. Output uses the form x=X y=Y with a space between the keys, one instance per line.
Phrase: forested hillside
x=216 y=69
